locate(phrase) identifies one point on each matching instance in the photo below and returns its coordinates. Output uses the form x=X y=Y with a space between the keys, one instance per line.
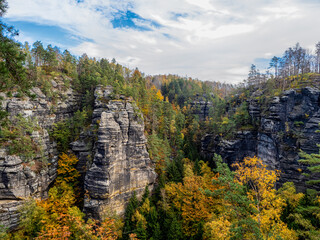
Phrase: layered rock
x=121 y=163
x=287 y=126
x=201 y=107
x=20 y=180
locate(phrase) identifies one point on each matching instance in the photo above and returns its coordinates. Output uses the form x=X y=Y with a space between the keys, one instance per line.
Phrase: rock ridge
x=287 y=126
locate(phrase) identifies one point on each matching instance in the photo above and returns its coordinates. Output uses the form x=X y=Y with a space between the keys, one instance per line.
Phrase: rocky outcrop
x=113 y=159
x=121 y=163
x=201 y=107
x=232 y=151
x=20 y=180
x=286 y=126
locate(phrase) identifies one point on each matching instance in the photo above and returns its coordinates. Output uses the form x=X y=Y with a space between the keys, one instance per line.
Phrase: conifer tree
x=141 y=231
x=12 y=58
x=313 y=160
x=175 y=230
x=129 y=225
x=145 y=194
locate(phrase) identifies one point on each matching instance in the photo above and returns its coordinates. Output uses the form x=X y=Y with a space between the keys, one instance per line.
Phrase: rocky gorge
x=113 y=158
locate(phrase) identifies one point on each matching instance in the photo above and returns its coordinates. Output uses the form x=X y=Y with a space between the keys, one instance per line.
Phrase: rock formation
x=19 y=180
x=201 y=107
x=286 y=126
x=121 y=163
x=113 y=158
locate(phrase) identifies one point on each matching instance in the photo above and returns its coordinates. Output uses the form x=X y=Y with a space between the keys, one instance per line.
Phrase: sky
x=212 y=40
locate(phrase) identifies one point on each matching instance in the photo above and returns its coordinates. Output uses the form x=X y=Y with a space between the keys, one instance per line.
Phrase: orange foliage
x=66 y=168
x=55 y=232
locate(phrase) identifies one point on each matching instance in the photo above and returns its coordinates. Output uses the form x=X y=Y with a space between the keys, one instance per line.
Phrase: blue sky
x=47 y=34
x=205 y=39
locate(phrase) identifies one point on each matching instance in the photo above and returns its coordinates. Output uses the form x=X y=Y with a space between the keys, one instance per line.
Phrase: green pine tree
x=145 y=194
x=175 y=230
x=313 y=160
x=141 y=231
x=129 y=225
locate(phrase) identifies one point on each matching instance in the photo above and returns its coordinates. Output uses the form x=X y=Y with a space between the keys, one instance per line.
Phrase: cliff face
x=20 y=180
x=201 y=107
x=121 y=163
x=287 y=126
x=113 y=158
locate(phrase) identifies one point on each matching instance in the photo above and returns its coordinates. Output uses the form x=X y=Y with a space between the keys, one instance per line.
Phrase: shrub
x=16 y=135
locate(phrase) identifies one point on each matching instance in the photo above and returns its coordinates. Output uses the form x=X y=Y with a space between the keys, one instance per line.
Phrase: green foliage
x=65 y=132
x=175 y=170
x=30 y=218
x=298 y=123
x=141 y=231
x=145 y=195
x=173 y=133
x=159 y=151
x=313 y=160
x=129 y=225
x=181 y=91
x=302 y=211
x=175 y=230
x=3 y=233
x=16 y=136
x=12 y=72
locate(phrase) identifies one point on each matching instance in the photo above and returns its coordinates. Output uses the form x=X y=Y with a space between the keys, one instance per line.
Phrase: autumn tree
x=58 y=217
x=260 y=182
x=188 y=198
x=66 y=170
x=301 y=212
x=237 y=211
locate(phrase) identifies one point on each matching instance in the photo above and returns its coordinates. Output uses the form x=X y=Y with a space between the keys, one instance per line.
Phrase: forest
x=194 y=197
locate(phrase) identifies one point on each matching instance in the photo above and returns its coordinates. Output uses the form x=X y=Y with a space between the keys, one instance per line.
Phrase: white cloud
x=208 y=39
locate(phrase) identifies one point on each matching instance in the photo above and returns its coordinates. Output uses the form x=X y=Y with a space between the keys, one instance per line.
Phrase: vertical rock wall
x=121 y=163
x=287 y=126
x=20 y=180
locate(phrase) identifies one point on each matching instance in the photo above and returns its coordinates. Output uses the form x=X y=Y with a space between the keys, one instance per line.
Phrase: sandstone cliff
x=20 y=180
x=287 y=126
x=121 y=163
x=113 y=158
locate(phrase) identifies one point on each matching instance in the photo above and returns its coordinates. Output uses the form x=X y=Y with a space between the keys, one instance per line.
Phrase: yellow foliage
x=160 y=96
x=266 y=202
x=225 y=121
x=172 y=126
x=138 y=217
x=288 y=193
x=189 y=198
x=217 y=229
x=66 y=168
x=145 y=208
x=187 y=168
